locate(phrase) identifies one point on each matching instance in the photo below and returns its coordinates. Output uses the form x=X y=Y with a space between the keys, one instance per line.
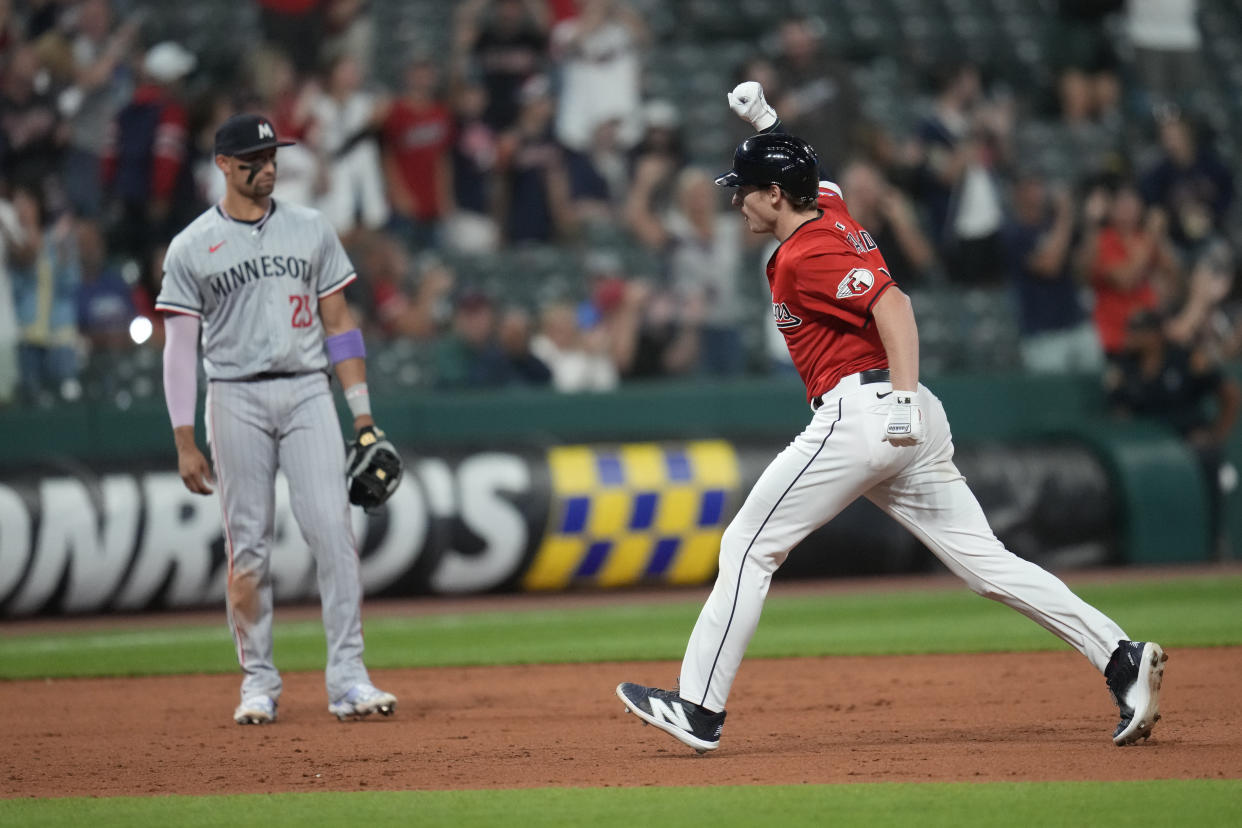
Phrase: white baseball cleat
x=363 y=700
x=1134 y=674
x=256 y=710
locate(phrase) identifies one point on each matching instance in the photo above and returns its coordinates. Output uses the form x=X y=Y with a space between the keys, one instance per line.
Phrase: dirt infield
x=1043 y=716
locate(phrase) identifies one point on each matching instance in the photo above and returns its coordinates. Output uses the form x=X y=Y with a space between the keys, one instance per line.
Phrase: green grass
x=1202 y=803
x=1179 y=612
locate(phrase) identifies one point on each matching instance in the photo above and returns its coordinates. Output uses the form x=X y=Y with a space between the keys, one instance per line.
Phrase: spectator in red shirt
x=417 y=139
x=1129 y=260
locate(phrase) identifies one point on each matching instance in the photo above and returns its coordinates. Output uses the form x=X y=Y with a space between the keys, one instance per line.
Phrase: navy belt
x=271 y=375
x=864 y=378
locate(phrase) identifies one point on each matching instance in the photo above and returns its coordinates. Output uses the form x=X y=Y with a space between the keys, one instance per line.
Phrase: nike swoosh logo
x=882 y=396
x=214 y=248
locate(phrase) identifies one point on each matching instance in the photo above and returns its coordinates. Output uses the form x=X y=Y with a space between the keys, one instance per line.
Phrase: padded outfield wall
x=538 y=491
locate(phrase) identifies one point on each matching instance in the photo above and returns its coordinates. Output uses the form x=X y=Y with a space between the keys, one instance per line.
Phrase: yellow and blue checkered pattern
x=634 y=513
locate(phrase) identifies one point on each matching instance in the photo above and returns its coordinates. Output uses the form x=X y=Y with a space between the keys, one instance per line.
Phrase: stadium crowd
x=531 y=129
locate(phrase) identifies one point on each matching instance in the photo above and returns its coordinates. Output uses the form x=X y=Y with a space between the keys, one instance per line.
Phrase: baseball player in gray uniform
x=263 y=281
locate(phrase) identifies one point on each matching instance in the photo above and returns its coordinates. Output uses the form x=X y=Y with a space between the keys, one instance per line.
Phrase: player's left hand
x=747 y=102
x=373 y=468
x=904 y=426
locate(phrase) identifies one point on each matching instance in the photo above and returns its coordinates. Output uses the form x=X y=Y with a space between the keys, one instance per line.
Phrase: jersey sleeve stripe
x=328 y=291
x=878 y=294
x=182 y=309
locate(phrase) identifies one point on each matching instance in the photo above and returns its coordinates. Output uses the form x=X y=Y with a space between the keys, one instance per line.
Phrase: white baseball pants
x=292 y=424
x=838 y=457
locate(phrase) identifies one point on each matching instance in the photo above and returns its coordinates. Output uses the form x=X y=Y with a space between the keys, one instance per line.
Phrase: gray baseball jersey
x=256 y=287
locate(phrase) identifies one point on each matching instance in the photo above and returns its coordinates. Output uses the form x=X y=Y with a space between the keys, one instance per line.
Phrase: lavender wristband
x=345 y=346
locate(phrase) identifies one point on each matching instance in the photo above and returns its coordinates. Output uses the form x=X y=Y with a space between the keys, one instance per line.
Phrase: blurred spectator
x=644 y=212
x=31 y=129
x=42 y=16
x=1190 y=182
x=99 y=85
x=890 y=218
x=662 y=147
x=417 y=141
x=146 y=178
x=11 y=29
x=349 y=31
x=898 y=159
x=1160 y=380
x=964 y=141
x=471 y=226
x=296 y=28
x=288 y=100
x=44 y=291
x=652 y=333
x=505 y=43
x=1129 y=258
x=599 y=57
x=574 y=345
x=513 y=334
x=1191 y=311
x=15 y=249
x=1166 y=41
x=534 y=201
x=817 y=99
x=599 y=176
x=347 y=118
x=704 y=261
x=400 y=305
x=1085 y=62
x=1057 y=335
x=105 y=304
x=469 y=357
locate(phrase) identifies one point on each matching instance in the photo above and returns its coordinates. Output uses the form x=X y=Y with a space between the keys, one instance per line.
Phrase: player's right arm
x=181 y=303
x=180 y=393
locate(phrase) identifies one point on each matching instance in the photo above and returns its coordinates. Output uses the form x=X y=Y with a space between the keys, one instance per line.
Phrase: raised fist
x=747 y=101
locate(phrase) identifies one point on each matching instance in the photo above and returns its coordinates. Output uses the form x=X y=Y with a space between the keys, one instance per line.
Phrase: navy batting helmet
x=776 y=158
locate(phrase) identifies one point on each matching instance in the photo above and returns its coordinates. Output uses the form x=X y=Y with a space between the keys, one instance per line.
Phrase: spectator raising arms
x=1130 y=261
x=1190 y=182
x=1057 y=335
x=534 y=205
x=505 y=43
x=599 y=53
x=965 y=143
x=891 y=220
x=346 y=120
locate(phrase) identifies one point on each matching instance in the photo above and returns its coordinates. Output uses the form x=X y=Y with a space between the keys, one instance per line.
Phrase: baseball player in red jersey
x=875 y=432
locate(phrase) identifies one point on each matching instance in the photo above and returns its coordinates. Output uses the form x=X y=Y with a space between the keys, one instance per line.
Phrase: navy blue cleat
x=1133 y=674
x=684 y=720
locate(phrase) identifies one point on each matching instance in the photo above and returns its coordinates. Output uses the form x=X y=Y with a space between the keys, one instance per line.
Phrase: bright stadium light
x=140 y=329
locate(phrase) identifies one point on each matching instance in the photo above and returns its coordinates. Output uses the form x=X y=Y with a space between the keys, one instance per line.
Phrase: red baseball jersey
x=825 y=278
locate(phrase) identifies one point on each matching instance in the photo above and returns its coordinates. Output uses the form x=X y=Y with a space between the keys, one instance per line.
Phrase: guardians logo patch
x=784 y=319
x=857 y=282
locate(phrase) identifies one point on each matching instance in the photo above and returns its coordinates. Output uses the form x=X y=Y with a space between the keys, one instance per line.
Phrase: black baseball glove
x=372 y=468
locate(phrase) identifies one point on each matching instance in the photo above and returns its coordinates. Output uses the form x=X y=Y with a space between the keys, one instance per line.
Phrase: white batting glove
x=904 y=426
x=746 y=100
